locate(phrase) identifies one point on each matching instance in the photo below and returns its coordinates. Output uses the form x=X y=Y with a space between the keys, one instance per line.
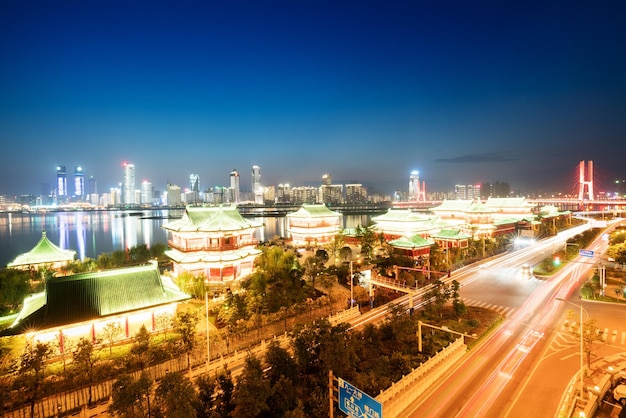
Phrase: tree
x=334 y=246
x=367 y=239
x=590 y=333
x=84 y=362
x=251 y=391
x=14 y=287
x=131 y=398
x=185 y=325
x=163 y=322
x=141 y=346
x=31 y=370
x=314 y=266
x=112 y=331
x=175 y=397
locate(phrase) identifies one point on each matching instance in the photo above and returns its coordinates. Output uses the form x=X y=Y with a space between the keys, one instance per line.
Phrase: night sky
x=465 y=92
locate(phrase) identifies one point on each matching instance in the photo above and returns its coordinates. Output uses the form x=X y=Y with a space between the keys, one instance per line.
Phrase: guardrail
x=397 y=398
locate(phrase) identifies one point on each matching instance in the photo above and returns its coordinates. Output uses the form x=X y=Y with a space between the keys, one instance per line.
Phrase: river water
x=95 y=232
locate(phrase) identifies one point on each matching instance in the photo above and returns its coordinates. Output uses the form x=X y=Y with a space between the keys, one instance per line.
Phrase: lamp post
x=582 y=367
x=352 y=284
x=206 y=312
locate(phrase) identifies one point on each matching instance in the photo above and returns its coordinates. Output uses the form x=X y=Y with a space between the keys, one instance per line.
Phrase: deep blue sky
x=464 y=92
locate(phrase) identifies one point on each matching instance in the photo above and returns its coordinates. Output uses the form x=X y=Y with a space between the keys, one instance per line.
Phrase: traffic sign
x=357 y=404
x=586 y=253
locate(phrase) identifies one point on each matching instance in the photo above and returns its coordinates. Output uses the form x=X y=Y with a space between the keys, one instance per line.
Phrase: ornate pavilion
x=215 y=242
x=312 y=225
x=81 y=305
x=45 y=253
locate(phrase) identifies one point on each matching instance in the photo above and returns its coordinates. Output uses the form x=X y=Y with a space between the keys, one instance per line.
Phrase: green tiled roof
x=44 y=252
x=211 y=219
x=460 y=205
x=478 y=207
x=451 y=234
x=507 y=202
x=415 y=241
x=402 y=215
x=87 y=296
x=313 y=211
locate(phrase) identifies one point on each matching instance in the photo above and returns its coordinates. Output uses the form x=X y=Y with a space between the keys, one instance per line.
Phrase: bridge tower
x=586 y=179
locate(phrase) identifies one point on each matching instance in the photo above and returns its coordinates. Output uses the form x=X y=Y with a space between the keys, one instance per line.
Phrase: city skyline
x=462 y=93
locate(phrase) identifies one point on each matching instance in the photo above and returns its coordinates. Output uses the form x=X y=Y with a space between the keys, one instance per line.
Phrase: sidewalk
x=606 y=374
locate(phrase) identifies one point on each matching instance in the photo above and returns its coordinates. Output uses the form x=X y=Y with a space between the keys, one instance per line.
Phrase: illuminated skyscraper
x=194 y=189
x=234 y=186
x=147 y=193
x=257 y=189
x=79 y=183
x=417 y=190
x=327 y=180
x=61 y=184
x=128 y=185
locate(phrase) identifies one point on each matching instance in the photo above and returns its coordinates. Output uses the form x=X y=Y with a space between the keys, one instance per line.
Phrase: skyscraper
x=147 y=193
x=79 y=183
x=194 y=188
x=327 y=180
x=128 y=185
x=417 y=190
x=61 y=184
x=257 y=189
x=234 y=186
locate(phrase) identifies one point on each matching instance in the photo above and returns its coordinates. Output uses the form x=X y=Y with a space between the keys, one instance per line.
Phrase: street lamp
x=582 y=367
x=206 y=307
x=352 y=283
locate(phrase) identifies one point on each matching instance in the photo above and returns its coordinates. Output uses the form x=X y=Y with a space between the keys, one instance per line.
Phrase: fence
x=398 y=397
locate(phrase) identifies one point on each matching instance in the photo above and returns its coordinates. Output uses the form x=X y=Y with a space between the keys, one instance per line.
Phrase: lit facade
x=45 y=253
x=355 y=194
x=313 y=225
x=128 y=184
x=147 y=193
x=257 y=188
x=234 y=186
x=215 y=242
x=397 y=223
x=61 y=184
x=79 y=183
x=331 y=194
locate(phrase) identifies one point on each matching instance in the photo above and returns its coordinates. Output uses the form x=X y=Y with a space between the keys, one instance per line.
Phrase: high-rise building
x=234 y=186
x=92 y=186
x=61 y=184
x=193 y=196
x=128 y=185
x=283 y=193
x=173 y=195
x=417 y=190
x=355 y=194
x=257 y=189
x=147 y=193
x=79 y=183
x=327 y=179
x=331 y=193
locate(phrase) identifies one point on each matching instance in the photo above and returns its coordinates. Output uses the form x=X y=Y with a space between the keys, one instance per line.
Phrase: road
x=515 y=371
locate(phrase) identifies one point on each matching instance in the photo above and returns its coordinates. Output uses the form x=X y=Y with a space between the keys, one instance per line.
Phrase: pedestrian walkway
x=608 y=336
x=503 y=310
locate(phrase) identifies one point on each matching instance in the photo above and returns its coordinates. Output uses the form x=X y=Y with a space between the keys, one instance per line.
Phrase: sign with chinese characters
x=357 y=404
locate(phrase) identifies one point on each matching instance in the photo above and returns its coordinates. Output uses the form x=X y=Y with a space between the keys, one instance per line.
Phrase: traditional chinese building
x=81 y=305
x=397 y=223
x=313 y=225
x=45 y=253
x=414 y=247
x=215 y=242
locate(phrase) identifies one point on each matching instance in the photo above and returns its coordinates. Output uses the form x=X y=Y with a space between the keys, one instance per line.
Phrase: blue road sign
x=586 y=253
x=357 y=404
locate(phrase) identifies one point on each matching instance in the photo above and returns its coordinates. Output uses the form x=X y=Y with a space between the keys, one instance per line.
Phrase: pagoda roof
x=403 y=215
x=460 y=205
x=313 y=211
x=416 y=241
x=44 y=252
x=478 y=207
x=88 y=296
x=456 y=234
x=223 y=218
x=507 y=202
x=211 y=256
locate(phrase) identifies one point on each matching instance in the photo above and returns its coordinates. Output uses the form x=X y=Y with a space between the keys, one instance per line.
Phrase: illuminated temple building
x=81 y=305
x=45 y=253
x=313 y=225
x=215 y=242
